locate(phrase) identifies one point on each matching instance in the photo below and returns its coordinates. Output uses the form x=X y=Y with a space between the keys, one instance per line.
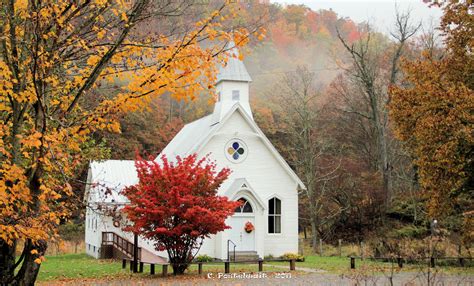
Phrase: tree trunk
x=28 y=272
x=179 y=269
x=7 y=262
x=314 y=237
x=385 y=165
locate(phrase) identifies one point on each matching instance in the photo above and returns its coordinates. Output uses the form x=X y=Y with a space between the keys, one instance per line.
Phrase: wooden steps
x=245 y=256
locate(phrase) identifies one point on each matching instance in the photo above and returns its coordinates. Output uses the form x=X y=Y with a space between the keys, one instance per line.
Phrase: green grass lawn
x=73 y=266
x=340 y=265
x=76 y=266
x=333 y=264
x=81 y=266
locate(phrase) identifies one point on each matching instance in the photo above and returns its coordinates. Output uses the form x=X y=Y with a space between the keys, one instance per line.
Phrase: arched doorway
x=245 y=241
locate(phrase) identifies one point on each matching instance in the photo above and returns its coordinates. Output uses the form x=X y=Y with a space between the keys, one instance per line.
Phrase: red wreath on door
x=249 y=227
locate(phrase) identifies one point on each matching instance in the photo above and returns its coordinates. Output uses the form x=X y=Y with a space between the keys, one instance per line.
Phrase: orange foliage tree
x=433 y=112
x=54 y=55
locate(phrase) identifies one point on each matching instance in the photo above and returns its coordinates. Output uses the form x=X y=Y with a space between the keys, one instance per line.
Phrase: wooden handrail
x=111 y=238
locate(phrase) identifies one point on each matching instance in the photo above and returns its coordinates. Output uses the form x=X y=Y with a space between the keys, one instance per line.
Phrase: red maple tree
x=176 y=205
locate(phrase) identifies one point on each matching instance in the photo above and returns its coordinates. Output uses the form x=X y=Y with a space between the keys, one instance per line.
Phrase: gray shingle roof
x=234 y=70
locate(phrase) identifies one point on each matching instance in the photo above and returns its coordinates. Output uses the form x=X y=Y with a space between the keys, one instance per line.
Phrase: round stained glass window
x=236 y=150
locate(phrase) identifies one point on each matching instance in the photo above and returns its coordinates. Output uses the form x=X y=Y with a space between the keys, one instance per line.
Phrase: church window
x=245 y=206
x=236 y=95
x=236 y=151
x=274 y=215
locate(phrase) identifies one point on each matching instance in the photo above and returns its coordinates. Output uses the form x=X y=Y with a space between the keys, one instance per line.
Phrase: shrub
x=203 y=258
x=411 y=231
x=182 y=206
x=269 y=257
x=295 y=256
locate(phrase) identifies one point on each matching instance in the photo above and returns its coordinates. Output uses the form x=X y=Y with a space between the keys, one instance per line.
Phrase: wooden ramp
x=115 y=246
x=151 y=258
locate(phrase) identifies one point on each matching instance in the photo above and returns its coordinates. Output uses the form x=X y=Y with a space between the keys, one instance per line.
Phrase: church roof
x=188 y=137
x=234 y=70
x=194 y=136
x=107 y=178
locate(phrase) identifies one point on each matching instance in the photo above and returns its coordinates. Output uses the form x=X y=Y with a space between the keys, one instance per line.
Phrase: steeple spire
x=234 y=70
x=232 y=87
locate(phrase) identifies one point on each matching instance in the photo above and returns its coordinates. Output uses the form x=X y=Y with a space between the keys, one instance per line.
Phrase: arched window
x=245 y=206
x=274 y=215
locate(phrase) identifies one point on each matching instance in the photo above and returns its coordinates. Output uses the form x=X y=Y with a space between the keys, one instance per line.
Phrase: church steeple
x=232 y=87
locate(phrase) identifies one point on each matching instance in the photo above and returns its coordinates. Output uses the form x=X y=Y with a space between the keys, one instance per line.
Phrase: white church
x=260 y=178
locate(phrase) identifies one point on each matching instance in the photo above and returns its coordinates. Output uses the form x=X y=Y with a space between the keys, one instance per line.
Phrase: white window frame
x=275 y=215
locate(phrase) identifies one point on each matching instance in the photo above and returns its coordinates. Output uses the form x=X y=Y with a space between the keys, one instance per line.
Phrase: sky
x=380 y=13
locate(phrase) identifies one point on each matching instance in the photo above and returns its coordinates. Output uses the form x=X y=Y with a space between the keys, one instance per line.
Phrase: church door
x=244 y=240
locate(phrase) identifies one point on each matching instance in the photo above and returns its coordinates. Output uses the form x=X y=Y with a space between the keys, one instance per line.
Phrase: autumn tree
x=54 y=58
x=433 y=112
x=374 y=67
x=176 y=205
x=310 y=150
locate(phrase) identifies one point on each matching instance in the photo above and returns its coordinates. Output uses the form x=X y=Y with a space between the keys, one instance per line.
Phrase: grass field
x=335 y=264
x=340 y=265
x=76 y=266
x=81 y=266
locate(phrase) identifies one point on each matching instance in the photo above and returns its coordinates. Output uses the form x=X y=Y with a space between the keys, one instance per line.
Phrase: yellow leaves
x=39 y=259
x=6 y=80
x=93 y=60
x=21 y=4
x=32 y=141
x=261 y=33
x=114 y=127
x=34 y=251
x=8 y=234
x=101 y=34
x=28 y=95
x=429 y=112
x=241 y=37
x=100 y=3
x=46 y=13
x=211 y=34
x=124 y=17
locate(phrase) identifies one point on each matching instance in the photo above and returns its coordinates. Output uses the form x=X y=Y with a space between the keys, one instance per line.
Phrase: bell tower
x=232 y=87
